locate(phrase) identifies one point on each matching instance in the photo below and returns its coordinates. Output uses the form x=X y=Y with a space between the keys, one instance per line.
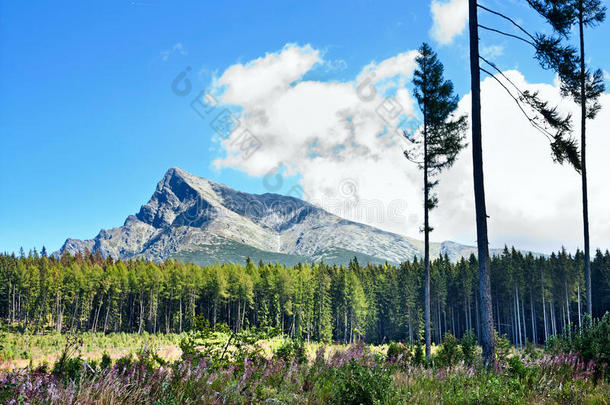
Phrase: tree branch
x=509 y=19
x=508 y=35
x=532 y=121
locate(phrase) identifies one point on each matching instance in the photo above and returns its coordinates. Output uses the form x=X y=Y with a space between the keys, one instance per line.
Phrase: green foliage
x=449 y=353
x=503 y=347
x=355 y=375
x=516 y=367
x=106 y=361
x=592 y=342
x=70 y=366
x=398 y=350
x=355 y=384
x=468 y=344
x=322 y=303
x=291 y=350
x=418 y=355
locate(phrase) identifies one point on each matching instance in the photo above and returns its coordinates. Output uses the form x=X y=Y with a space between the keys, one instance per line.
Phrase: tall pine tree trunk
x=487 y=333
x=426 y=245
x=583 y=122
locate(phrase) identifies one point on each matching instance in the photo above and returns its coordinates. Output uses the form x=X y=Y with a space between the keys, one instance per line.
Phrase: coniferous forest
x=533 y=297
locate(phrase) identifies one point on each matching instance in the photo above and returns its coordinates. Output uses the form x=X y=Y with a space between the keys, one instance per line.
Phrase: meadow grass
x=21 y=350
x=152 y=369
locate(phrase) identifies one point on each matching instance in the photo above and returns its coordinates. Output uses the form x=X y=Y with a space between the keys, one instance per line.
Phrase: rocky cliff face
x=196 y=219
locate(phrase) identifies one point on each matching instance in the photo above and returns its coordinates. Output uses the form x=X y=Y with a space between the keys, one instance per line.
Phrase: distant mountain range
x=197 y=220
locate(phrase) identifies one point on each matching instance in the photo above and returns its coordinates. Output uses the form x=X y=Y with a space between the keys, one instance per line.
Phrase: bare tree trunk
x=453 y=322
x=578 y=288
x=518 y=317
x=106 y=317
x=523 y=319
x=476 y=311
x=410 y=327
x=568 y=304
x=553 y=317
x=487 y=333
x=533 y=314
x=546 y=329
x=180 y=314
x=440 y=326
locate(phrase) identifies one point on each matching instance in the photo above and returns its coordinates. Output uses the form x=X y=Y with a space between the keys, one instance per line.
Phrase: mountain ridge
x=190 y=216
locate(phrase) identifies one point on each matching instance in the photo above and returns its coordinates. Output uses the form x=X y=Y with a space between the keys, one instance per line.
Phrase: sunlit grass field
x=21 y=350
x=224 y=367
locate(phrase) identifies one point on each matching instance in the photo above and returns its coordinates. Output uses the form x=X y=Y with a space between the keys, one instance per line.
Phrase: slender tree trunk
x=578 y=290
x=180 y=314
x=533 y=315
x=106 y=317
x=487 y=333
x=476 y=311
x=568 y=304
x=215 y=311
x=583 y=148
x=553 y=317
x=453 y=322
x=426 y=243
x=518 y=316
x=141 y=312
x=498 y=317
x=546 y=329
x=410 y=327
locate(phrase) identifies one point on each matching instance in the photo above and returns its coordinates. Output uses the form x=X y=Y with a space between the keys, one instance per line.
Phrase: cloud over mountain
x=342 y=135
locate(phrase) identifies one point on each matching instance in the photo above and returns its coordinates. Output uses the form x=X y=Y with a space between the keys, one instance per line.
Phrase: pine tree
x=442 y=137
x=584 y=86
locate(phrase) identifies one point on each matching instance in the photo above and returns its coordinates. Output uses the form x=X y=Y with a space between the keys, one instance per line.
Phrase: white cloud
x=335 y=139
x=449 y=19
x=402 y=66
x=267 y=76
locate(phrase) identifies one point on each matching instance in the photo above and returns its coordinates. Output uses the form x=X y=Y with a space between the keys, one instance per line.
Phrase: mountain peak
x=209 y=220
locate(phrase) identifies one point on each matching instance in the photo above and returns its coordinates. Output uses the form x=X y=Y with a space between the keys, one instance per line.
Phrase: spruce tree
x=442 y=138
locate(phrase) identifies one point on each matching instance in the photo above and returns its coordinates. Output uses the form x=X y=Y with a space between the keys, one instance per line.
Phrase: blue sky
x=88 y=121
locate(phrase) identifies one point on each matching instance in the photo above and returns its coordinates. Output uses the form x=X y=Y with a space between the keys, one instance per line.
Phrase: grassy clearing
x=26 y=350
x=211 y=367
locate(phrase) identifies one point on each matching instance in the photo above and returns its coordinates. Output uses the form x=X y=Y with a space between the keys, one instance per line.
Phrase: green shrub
x=355 y=383
x=418 y=355
x=591 y=341
x=69 y=366
x=449 y=354
x=69 y=369
x=503 y=347
x=468 y=344
x=124 y=363
x=516 y=367
x=290 y=350
x=106 y=361
x=395 y=350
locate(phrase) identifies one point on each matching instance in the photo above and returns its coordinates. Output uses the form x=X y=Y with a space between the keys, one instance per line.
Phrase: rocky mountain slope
x=201 y=221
